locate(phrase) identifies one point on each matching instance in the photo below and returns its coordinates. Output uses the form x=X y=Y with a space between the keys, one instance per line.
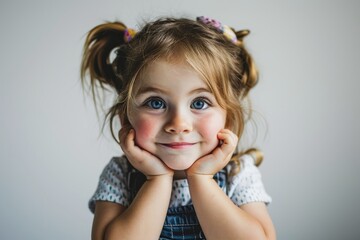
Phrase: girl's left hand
x=218 y=158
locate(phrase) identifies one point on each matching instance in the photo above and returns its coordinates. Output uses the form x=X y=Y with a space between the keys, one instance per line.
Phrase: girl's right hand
x=142 y=160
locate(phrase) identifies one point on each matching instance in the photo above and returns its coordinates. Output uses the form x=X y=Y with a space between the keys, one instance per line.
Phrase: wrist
x=162 y=177
x=194 y=176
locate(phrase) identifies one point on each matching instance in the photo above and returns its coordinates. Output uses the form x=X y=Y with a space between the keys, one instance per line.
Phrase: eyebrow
x=200 y=90
x=159 y=90
x=150 y=89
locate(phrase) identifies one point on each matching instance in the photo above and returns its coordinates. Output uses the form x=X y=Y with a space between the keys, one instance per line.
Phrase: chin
x=178 y=166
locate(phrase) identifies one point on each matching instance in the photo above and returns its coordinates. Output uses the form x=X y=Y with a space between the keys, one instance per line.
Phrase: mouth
x=178 y=145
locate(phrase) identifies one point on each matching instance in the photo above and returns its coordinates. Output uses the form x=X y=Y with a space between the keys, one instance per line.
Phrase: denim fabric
x=180 y=222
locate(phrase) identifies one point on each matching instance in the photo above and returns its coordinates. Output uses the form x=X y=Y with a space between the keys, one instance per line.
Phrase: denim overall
x=180 y=222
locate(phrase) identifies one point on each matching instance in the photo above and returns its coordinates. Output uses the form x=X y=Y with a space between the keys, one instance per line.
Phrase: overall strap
x=135 y=181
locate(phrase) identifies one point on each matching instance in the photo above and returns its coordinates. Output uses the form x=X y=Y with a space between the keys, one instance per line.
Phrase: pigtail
x=235 y=164
x=241 y=34
x=246 y=77
x=99 y=44
x=248 y=73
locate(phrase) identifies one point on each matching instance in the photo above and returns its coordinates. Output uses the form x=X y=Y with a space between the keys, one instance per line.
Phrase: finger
x=122 y=134
x=130 y=138
x=127 y=140
x=229 y=132
x=229 y=140
x=134 y=153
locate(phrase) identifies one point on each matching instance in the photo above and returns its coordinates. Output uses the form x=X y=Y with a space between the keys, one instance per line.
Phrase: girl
x=181 y=85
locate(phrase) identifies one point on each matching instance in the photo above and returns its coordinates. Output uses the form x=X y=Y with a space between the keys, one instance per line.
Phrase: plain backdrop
x=307 y=109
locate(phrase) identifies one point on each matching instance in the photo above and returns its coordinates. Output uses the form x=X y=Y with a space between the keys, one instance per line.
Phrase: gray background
x=307 y=111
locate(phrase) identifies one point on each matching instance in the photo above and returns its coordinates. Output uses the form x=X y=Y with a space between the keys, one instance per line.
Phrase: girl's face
x=174 y=115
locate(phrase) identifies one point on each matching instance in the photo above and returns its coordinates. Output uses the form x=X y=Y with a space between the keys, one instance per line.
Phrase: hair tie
x=129 y=34
x=224 y=29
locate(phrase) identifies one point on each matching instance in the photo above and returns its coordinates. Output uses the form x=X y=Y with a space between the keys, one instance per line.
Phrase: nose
x=179 y=123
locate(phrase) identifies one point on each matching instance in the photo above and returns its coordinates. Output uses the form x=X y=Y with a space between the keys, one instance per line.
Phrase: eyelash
x=150 y=100
x=148 y=103
x=204 y=100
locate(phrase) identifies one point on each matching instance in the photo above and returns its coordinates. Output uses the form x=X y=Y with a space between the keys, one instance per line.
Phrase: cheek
x=209 y=126
x=145 y=129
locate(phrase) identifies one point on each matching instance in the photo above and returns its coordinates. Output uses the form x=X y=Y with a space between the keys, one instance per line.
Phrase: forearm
x=145 y=217
x=219 y=217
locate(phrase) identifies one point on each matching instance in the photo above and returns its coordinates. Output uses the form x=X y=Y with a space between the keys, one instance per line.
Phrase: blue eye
x=199 y=104
x=155 y=103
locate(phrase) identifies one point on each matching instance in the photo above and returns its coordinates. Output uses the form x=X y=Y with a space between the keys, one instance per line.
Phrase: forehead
x=164 y=74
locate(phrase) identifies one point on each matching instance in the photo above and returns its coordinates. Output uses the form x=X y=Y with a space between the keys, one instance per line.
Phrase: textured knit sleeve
x=112 y=186
x=247 y=186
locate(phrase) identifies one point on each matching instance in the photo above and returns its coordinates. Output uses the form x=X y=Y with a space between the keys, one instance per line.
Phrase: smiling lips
x=178 y=145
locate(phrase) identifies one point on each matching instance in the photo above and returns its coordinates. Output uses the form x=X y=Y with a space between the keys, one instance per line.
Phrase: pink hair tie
x=224 y=29
x=129 y=34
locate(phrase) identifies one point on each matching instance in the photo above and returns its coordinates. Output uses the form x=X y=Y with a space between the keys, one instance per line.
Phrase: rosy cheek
x=210 y=126
x=144 y=129
x=208 y=132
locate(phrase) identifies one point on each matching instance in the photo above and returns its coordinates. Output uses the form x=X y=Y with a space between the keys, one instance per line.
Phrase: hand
x=218 y=158
x=141 y=159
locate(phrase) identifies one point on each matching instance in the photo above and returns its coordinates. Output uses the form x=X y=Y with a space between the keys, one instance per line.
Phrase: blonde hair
x=227 y=68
